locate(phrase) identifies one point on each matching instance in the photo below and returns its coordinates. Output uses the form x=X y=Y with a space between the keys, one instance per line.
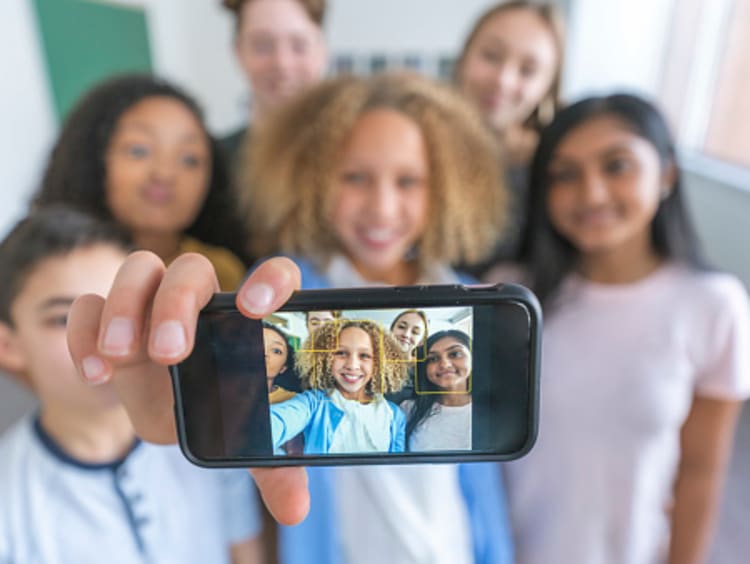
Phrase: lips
x=158 y=194
x=351 y=378
x=595 y=217
x=378 y=238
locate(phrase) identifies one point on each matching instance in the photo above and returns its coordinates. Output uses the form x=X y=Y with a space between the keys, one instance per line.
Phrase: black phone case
x=386 y=297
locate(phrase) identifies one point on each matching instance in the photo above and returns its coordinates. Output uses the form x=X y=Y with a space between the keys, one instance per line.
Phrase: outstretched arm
x=148 y=321
x=706 y=445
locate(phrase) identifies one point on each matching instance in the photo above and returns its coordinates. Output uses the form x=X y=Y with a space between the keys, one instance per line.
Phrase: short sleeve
x=239 y=503
x=724 y=371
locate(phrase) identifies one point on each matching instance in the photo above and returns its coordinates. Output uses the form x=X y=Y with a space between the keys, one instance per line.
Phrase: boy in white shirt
x=76 y=485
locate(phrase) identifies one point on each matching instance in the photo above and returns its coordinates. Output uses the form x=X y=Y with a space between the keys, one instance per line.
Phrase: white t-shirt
x=394 y=512
x=447 y=427
x=365 y=427
x=153 y=506
x=621 y=366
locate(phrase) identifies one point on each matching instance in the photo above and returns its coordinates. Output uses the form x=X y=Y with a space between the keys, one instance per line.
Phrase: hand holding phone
x=363 y=376
x=146 y=296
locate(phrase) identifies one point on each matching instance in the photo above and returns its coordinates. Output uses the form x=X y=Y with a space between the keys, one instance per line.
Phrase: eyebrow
x=55 y=301
x=190 y=137
x=277 y=341
x=606 y=153
x=450 y=348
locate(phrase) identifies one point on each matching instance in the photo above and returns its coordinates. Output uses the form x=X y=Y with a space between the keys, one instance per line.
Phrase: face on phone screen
x=358 y=382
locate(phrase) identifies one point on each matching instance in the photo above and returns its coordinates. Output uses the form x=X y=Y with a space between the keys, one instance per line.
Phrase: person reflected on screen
x=346 y=367
x=439 y=417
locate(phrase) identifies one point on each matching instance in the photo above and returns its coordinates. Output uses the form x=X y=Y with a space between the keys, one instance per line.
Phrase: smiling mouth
x=351 y=378
x=379 y=238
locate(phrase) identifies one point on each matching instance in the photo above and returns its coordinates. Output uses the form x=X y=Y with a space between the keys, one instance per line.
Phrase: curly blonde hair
x=315 y=358
x=287 y=187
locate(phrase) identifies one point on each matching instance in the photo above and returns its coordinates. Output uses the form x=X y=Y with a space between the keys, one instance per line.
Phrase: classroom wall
x=190 y=42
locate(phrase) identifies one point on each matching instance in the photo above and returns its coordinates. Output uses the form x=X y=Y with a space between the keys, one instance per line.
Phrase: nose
x=165 y=167
x=352 y=362
x=383 y=202
x=593 y=189
x=507 y=78
x=445 y=362
x=282 y=58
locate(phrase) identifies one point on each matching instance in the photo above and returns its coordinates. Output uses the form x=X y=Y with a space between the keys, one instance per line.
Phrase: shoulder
x=280 y=394
x=19 y=462
x=15 y=443
x=506 y=272
x=711 y=295
x=398 y=415
x=229 y=269
x=406 y=406
x=312 y=277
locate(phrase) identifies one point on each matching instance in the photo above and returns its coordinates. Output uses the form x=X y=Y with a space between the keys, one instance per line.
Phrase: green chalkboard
x=85 y=41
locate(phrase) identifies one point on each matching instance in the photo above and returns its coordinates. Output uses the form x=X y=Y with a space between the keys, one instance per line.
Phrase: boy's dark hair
x=547 y=256
x=76 y=171
x=424 y=402
x=52 y=232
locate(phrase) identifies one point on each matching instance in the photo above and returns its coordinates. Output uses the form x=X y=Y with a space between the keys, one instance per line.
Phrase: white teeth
x=379 y=235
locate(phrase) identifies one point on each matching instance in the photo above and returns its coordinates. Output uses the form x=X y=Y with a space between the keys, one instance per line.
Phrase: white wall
x=615 y=45
x=26 y=115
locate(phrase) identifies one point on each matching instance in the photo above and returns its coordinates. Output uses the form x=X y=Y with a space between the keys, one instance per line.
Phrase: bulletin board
x=84 y=41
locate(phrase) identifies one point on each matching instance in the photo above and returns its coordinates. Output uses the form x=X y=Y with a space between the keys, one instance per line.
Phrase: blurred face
x=281 y=50
x=382 y=186
x=316 y=318
x=409 y=331
x=606 y=184
x=353 y=363
x=158 y=167
x=448 y=365
x=40 y=313
x=276 y=354
x=509 y=67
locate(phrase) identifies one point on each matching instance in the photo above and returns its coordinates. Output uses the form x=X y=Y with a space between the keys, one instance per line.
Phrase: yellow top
x=229 y=269
x=280 y=394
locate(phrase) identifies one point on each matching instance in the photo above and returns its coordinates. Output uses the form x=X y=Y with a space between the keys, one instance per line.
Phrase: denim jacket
x=314 y=413
x=316 y=539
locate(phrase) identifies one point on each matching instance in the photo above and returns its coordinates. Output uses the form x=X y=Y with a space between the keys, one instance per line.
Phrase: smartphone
x=408 y=374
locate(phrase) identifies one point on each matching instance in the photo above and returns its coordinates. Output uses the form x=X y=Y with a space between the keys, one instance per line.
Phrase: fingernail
x=169 y=339
x=257 y=298
x=94 y=370
x=119 y=337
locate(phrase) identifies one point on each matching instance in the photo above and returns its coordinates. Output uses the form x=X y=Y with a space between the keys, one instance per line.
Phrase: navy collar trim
x=57 y=451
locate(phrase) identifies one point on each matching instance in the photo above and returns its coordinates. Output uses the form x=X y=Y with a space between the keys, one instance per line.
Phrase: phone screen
x=408 y=383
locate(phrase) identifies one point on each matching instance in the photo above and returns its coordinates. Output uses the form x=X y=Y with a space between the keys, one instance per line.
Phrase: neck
x=165 y=245
x=518 y=144
x=627 y=264
x=95 y=438
x=403 y=274
x=455 y=399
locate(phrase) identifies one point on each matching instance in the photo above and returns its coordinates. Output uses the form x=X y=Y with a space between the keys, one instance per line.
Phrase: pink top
x=621 y=365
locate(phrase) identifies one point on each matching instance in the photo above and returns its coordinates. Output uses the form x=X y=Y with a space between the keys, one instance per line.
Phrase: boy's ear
x=11 y=358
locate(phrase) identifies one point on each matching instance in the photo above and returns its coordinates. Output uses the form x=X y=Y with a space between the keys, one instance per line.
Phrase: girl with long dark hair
x=645 y=349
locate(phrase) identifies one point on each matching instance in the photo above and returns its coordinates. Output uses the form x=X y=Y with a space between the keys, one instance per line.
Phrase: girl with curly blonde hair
x=382 y=180
x=347 y=366
x=388 y=179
